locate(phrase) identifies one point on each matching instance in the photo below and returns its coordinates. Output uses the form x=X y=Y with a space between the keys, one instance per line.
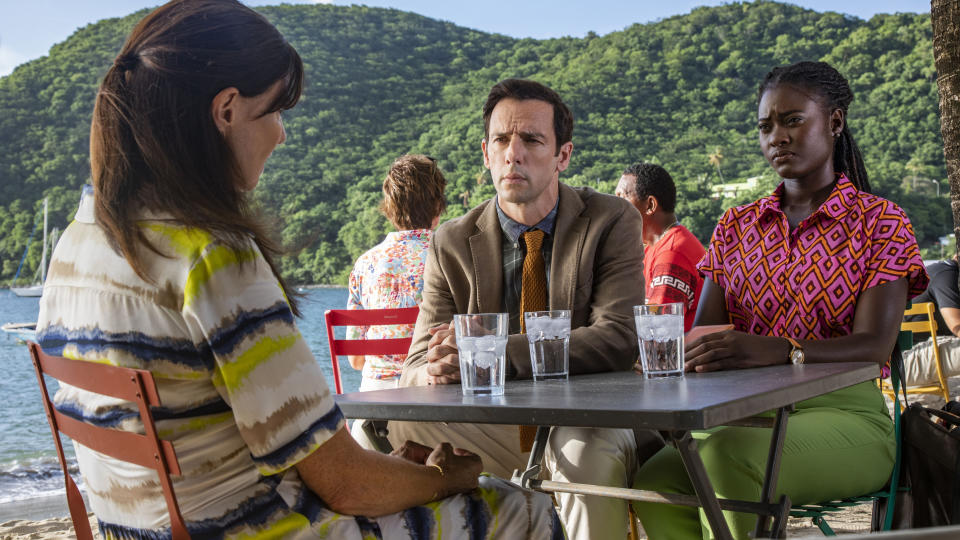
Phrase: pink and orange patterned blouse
x=805 y=283
x=389 y=275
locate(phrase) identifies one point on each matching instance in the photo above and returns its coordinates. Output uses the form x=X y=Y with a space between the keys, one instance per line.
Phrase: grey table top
x=621 y=399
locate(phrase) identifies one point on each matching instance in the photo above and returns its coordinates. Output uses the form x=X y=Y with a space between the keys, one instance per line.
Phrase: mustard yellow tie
x=533 y=288
x=533 y=297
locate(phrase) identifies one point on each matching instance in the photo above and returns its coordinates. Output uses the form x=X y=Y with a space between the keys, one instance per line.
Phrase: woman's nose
x=779 y=136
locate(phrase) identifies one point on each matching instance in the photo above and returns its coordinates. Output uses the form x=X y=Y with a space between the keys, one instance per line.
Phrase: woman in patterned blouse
x=167 y=269
x=819 y=271
x=390 y=275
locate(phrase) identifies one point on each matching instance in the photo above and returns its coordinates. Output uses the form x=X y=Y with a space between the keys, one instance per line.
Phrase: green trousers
x=838 y=445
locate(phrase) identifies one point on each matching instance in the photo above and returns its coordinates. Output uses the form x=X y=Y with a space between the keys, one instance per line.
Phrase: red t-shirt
x=670 y=271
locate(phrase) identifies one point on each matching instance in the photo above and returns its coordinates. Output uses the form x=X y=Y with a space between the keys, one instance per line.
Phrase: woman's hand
x=460 y=467
x=413 y=451
x=734 y=350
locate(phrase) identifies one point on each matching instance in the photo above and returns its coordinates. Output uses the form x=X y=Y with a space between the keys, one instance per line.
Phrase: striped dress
x=243 y=397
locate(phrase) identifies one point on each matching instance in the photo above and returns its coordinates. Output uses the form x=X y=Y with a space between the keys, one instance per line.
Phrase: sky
x=28 y=28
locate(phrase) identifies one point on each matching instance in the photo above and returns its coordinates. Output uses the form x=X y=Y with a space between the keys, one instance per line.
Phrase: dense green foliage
x=680 y=92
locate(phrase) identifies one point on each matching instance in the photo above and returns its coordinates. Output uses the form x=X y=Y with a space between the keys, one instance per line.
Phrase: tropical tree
x=716 y=158
x=945 y=17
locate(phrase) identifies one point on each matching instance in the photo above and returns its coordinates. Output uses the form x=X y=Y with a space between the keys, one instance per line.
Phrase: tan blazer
x=596 y=272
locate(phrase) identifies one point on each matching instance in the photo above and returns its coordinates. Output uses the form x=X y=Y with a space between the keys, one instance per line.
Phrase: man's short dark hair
x=521 y=89
x=654 y=180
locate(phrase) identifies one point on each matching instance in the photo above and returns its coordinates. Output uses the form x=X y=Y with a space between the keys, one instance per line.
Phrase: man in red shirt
x=672 y=251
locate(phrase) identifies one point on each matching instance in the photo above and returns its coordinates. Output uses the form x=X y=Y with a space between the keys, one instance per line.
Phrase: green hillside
x=681 y=92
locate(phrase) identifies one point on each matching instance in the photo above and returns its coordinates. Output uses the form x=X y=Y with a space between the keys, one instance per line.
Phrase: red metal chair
x=147 y=450
x=366 y=317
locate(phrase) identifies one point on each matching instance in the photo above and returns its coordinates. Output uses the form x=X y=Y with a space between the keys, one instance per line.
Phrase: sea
x=29 y=467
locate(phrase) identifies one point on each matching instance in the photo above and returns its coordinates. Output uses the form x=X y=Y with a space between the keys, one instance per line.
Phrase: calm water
x=28 y=461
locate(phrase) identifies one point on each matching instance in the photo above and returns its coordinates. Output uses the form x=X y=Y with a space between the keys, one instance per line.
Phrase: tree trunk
x=945 y=17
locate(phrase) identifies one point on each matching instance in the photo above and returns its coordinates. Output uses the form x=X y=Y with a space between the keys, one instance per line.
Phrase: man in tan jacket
x=593 y=263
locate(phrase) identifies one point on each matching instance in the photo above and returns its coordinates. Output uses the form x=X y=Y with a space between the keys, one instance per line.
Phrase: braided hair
x=828 y=83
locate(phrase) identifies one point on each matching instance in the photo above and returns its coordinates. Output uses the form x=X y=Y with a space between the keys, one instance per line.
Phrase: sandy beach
x=42 y=518
x=851 y=521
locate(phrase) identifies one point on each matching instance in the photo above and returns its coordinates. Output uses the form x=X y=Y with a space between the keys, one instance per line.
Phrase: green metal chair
x=883 y=499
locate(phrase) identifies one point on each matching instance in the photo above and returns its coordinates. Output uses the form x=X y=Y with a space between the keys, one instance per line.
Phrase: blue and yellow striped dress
x=243 y=397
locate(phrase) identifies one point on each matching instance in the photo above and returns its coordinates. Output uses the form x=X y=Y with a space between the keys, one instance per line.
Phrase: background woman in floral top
x=390 y=275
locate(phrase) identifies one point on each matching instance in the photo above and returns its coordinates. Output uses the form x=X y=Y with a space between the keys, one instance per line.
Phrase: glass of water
x=482 y=346
x=548 y=333
x=660 y=332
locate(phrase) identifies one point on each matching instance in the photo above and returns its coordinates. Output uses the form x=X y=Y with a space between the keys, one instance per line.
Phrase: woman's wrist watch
x=796 y=351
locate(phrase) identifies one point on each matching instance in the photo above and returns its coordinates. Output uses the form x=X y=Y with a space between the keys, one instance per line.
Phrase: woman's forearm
x=355 y=481
x=876 y=325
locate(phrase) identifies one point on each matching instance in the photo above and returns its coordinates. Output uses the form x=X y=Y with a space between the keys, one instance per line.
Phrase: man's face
x=520 y=151
x=627 y=189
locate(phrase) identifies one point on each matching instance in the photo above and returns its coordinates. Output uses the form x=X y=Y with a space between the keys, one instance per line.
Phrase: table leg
x=772 y=473
x=536 y=457
x=701 y=483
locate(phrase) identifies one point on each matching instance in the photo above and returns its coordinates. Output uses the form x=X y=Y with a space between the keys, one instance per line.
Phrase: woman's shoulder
x=177 y=240
x=874 y=207
x=187 y=254
x=745 y=213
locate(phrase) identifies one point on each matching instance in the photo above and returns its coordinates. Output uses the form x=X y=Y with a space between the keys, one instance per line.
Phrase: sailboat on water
x=35 y=289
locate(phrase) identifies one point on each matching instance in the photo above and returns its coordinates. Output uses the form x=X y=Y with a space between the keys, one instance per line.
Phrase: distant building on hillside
x=733 y=189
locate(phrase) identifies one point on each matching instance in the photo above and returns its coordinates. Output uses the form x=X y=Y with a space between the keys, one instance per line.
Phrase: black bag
x=930 y=467
x=928 y=483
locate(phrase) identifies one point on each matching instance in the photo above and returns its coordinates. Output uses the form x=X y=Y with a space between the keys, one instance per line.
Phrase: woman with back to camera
x=390 y=275
x=820 y=271
x=166 y=268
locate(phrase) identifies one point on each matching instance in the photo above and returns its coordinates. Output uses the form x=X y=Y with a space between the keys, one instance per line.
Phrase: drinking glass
x=660 y=333
x=548 y=333
x=482 y=346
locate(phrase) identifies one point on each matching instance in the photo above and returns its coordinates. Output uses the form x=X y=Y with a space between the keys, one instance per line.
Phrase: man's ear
x=652 y=205
x=566 y=150
x=223 y=109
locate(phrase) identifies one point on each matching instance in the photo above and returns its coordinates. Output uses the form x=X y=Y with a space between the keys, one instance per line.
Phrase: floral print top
x=390 y=275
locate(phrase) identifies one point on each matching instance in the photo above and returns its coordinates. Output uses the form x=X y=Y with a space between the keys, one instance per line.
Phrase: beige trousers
x=356 y=426
x=920 y=367
x=583 y=455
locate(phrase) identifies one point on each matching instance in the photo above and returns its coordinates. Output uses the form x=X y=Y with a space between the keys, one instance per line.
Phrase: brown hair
x=521 y=89
x=413 y=192
x=153 y=141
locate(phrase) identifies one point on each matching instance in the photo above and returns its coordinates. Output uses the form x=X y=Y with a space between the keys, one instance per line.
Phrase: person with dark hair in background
x=944 y=291
x=819 y=271
x=671 y=250
x=166 y=268
x=537 y=245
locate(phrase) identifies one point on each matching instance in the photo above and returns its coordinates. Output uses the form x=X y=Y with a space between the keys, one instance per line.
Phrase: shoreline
x=36 y=509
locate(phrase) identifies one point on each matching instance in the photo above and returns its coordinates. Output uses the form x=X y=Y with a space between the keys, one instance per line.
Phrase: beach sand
x=850 y=521
x=32 y=519
x=48 y=529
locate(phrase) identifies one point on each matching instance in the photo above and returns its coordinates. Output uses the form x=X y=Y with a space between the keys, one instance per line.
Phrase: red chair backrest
x=366 y=317
x=147 y=450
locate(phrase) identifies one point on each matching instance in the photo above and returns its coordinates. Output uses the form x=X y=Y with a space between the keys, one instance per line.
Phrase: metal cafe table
x=674 y=407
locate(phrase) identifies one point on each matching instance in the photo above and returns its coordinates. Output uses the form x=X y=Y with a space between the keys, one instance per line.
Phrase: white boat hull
x=23 y=331
x=33 y=291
